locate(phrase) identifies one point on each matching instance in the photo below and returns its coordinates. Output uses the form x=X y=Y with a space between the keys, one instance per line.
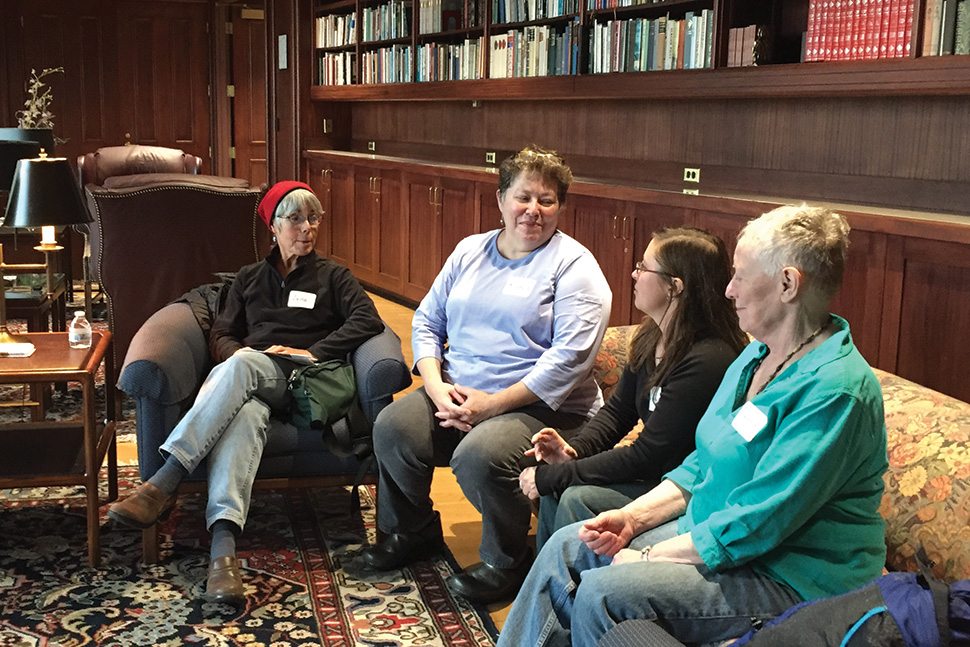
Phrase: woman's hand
x=477 y=406
x=279 y=349
x=448 y=402
x=608 y=532
x=527 y=482
x=548 y=446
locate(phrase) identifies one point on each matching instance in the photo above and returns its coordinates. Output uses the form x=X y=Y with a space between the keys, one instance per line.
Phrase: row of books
x=852 y=30
x=336 y=68
x=946 y=27
x=593 y=5
x=386 y=65
x=749 y=45
x=506 y=11
x=535 y=51
x=643 y=45
x=336 y=30
x=387 y=21
x=449 y=15
x=452 y=62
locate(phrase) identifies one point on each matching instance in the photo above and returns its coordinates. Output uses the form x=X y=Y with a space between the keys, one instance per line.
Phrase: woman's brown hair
x=701 y=261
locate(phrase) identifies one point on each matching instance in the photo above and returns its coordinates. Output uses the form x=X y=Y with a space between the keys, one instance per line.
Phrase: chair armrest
x=380 y=371
x=168 y=357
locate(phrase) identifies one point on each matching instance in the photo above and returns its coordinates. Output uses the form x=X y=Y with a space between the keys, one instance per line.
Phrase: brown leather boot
x=224 y=583
x=143 y=507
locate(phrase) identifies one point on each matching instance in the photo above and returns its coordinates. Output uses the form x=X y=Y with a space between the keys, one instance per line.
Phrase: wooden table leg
x=91 y=469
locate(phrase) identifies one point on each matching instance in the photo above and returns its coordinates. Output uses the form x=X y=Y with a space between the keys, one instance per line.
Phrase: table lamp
x=43 y=193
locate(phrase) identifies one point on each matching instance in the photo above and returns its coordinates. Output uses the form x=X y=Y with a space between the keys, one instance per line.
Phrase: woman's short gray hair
x=295 y=199
x=813 y=239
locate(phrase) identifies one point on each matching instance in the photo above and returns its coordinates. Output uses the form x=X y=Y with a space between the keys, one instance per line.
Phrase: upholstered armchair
x=158 y=235
x=167 y=362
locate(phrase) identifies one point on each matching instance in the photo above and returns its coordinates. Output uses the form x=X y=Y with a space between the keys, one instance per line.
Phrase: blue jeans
x=581 y=502
x=693 y=603
x=227 y=426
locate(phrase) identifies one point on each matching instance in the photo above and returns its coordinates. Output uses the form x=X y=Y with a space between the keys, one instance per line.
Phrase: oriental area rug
x=305 y=586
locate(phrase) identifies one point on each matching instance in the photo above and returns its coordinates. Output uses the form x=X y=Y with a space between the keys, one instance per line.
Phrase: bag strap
x=940 y=591
x=365 y=466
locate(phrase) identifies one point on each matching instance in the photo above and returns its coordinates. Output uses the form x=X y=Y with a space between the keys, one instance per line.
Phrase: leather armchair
x=166 y=364
x=96 y=167
x=158 y=235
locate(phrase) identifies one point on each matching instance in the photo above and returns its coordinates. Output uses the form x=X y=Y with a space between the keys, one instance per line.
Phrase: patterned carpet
x=305 y=584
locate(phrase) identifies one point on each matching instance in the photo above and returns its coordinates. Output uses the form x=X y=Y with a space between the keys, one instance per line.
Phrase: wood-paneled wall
x=901 y=152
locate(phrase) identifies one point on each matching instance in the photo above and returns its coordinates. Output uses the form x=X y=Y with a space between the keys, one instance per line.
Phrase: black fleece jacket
x=259 y=312
x=668 y=434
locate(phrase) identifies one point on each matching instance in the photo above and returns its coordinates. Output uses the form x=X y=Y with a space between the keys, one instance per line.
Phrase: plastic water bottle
x=79 y=332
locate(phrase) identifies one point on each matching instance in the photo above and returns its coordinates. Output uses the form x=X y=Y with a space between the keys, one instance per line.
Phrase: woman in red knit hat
x=293 y=303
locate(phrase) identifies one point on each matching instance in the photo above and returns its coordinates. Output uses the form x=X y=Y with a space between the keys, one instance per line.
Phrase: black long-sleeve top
x=262 y=310
x=668 y=434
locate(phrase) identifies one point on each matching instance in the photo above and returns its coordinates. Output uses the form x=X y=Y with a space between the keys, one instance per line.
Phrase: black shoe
x=401 y=548
x=486 y=584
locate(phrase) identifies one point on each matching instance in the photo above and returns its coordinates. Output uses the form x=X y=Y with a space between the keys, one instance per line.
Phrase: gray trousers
x=409 y=444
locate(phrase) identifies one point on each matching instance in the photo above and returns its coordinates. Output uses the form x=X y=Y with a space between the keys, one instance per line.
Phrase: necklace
x=778 y=368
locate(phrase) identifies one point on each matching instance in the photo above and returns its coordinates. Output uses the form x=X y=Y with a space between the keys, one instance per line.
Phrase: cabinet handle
x=626 y=231
x=615 y=218
x=377 y=185
x=431 y=195
x=437 y=196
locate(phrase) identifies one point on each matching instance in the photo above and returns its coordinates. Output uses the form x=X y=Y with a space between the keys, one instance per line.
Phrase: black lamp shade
x=44 y=137
x=45 y=192
x=10 y=152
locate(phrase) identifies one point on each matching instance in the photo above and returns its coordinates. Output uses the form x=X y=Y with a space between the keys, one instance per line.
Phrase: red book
x=894 y=7
x=681 y=28
x=838 y=28
x=884 y=30
x=873 y=24
x=907 y=27
x=811 y=35
x=825 y=31
x=859 y=10
x=902 y=33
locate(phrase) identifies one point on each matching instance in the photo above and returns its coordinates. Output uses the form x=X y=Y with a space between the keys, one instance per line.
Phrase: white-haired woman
x=778 y=503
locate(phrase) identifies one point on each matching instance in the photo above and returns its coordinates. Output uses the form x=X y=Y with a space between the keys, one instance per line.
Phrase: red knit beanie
x=273 y=197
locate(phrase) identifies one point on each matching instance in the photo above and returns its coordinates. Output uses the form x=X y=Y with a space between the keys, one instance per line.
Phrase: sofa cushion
x=927 y=498
x=612 y=356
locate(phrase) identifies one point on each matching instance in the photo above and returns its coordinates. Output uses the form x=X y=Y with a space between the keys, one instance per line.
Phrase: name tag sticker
x=519 y=286
x=300 y=299
x=654 y=398
x=749 y=421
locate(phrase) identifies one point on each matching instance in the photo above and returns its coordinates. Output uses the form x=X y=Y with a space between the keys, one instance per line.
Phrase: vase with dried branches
x=36 y=112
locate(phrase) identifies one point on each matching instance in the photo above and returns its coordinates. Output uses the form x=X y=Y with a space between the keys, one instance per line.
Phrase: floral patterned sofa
x=927 y=497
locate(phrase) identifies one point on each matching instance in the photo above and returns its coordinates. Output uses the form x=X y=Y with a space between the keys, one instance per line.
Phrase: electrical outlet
x=490 y=157
x=372 y=146
x=692 y=175
x=692 y=191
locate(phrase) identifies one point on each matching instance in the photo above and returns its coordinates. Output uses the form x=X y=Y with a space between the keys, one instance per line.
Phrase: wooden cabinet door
x=424 y=235
x=338 y=222
x=605 y=227
x=318 y=177
x=440 y=212
x=379 y=234
x=390 y=238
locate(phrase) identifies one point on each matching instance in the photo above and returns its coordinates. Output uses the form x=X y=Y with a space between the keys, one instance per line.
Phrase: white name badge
x=749 y=421
x=654 y=398
x=300 y=299
x=519 y=286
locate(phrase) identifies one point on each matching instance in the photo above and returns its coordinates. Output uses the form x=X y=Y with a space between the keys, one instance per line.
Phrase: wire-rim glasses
x=639 y=268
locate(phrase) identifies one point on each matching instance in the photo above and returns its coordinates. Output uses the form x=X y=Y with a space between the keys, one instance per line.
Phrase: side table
x=64 y=453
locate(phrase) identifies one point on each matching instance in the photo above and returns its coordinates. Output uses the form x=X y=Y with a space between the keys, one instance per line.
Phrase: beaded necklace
x=777 y=370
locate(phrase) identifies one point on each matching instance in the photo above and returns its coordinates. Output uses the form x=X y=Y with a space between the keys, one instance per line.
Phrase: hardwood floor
x=461 y=522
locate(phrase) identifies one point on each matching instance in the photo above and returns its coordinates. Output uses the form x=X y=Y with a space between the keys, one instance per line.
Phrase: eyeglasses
x=639 y=268
x=297 y=219
x=530 y=154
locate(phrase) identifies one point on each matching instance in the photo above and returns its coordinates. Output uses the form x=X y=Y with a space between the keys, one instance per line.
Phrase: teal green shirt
x=799 y=501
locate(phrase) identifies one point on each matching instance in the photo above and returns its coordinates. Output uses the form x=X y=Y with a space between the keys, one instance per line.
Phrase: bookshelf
x=473 y=49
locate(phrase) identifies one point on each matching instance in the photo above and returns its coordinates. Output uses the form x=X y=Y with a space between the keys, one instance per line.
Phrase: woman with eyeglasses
x=294 y=303
x=678 y=355
x=505 y=342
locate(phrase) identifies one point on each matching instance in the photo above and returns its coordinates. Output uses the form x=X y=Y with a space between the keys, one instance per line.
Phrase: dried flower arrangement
x=36 y=112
